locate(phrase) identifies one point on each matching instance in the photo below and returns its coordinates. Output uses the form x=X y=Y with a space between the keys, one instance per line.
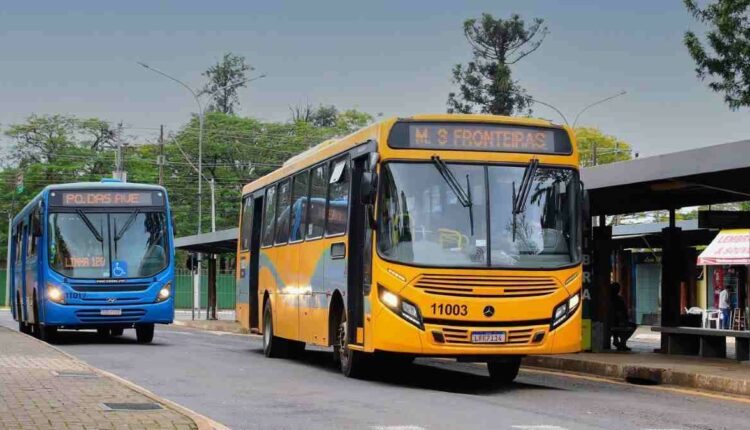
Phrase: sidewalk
x=44 y=388
x=725 y=376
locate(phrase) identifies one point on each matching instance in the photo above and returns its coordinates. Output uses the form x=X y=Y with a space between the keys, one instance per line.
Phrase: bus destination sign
x=479 y=137
x=105 y=198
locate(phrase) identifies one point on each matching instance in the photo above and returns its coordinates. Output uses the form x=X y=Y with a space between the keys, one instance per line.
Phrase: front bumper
x=75 y=316
x=394 y=334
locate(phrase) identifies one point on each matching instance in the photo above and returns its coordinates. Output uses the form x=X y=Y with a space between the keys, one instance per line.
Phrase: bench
x=704 y=342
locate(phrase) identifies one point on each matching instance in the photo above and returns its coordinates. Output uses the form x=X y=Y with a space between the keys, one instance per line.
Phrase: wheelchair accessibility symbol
x=119 y=269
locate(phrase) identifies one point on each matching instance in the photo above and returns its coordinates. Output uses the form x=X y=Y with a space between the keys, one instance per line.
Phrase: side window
x=317 y=205
x=338 y=197
x=246 y=222
x=34 y=219
x=269 y=216
x=282 y=213
x=299 y=206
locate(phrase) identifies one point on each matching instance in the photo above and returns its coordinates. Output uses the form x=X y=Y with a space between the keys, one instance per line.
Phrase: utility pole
x=161 y=155
x=119 y=172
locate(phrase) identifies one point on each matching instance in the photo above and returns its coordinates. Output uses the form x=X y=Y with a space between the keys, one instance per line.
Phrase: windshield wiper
x=124 y=228
x=520 y=198
x=463 y=196
x=90 y=226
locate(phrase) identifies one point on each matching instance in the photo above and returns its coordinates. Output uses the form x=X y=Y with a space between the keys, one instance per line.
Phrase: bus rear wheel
x=504 y=371
x=273 y=346
x=144 y=333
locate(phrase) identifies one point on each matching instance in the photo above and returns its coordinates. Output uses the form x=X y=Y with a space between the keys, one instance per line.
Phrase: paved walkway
x=43 y=388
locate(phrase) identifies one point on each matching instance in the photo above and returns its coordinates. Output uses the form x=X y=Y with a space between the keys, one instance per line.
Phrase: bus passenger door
x=358 y=229
x=255 y=310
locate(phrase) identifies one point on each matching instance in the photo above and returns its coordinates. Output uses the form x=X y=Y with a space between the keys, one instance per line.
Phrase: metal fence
x=2 y=288
x=225 y=289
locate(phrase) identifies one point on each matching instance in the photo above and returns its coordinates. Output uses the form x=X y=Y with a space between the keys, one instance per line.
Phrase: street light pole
x=606 y=99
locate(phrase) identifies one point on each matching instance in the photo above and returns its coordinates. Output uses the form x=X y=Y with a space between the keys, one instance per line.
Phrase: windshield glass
x=85 y=244
x=423 y=220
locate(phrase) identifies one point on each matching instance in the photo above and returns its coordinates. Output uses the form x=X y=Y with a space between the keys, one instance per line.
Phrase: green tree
x=224 y=79
x=596 y=147
x=726 y=58
x=485 y=84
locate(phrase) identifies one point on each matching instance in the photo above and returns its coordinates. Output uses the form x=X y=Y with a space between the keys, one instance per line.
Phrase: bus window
x=245 y=227
x=282 y=213
x=299 y=206
x=19 y=242
x=316 y=210
x=269 y=216
x=338 y=197
x=34 y=220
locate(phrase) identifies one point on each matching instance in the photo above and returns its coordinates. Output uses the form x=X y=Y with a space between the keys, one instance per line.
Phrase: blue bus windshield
x=127 y=244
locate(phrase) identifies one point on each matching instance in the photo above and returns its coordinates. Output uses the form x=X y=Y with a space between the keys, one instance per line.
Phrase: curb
x=642 y=374
x=201 y=421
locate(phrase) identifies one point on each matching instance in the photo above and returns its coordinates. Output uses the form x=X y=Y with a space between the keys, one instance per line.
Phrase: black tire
x=144 y=333
x=503 y=372
x=273 y=346
x=47 y=333
x=22 y=326
x=353 y=363
x=116 y=331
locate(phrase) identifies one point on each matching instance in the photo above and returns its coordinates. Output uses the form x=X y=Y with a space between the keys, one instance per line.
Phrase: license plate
x=488 y=337
x=111 y=312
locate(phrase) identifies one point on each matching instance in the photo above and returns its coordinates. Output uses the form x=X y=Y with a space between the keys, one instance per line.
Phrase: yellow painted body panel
x=297 y=317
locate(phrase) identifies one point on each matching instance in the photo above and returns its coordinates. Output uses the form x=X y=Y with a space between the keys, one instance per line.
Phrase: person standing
x=621 y=327
x=724 y=307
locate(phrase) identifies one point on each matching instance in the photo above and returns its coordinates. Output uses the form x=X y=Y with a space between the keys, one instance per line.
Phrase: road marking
x=692 y=392
x=397 y=428
x=540 y=427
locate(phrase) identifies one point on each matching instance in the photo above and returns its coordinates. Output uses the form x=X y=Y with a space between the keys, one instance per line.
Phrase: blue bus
x=93 y=255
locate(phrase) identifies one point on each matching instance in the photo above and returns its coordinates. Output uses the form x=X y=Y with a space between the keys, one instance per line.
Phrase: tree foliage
x=225 y=78
x=725 y=55
x=485 y=84
x=596 y=147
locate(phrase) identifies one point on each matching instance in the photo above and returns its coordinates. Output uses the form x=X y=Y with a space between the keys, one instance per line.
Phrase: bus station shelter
x=207 y=247
x=698 y=177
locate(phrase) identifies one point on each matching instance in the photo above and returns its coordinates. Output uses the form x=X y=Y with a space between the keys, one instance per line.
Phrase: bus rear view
x=94 y=256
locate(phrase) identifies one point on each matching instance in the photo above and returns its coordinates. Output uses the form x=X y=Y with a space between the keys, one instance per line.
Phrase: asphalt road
x=227 y=378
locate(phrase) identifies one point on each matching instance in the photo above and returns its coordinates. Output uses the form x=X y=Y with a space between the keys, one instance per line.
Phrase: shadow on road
x=418 y=375
x=86 y=337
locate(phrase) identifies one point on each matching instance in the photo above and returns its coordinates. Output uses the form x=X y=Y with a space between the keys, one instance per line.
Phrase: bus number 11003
x=449 y=309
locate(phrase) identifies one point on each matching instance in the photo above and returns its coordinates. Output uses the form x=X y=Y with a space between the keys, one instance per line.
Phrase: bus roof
x=332 y=147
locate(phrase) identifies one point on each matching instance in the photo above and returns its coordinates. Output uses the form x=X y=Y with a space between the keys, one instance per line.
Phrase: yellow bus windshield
x=425 y=221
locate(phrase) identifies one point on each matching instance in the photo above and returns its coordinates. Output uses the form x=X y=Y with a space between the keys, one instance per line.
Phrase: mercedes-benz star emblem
x=488 y=311
x=111 y=300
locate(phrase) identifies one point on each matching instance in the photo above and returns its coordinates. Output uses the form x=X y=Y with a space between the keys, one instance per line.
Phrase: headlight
x=164 y=293
x=55 y=294
x=565 y=310
x=400 y=306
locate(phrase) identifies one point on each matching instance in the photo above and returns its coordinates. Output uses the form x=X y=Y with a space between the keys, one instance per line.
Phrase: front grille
x=103 y=300
x=463 y=336
x=95 y=316
x=109 y=287
x=486 y=286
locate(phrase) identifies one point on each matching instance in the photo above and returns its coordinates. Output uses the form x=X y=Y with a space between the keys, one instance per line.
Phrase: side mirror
x=373 y=161
x=368 y=188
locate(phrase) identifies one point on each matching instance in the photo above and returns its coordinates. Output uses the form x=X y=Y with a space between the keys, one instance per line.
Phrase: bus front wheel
x=273 y=346
x=503 y=372
x=144 y=333
x=352 y=363
x=47 y=333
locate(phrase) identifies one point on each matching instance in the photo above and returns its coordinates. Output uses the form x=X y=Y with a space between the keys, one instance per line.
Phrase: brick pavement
x=33 y=395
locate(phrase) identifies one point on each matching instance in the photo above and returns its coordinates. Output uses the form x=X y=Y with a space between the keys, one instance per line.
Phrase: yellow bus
x=435 y=235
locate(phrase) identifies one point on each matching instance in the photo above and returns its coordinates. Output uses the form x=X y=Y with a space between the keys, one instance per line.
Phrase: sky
x=386 y=57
